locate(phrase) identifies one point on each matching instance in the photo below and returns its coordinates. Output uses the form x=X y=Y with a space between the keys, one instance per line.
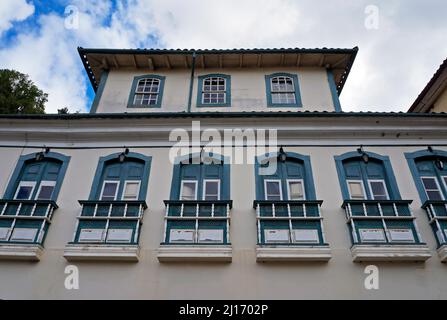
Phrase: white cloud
x=393 y=64
x=13 y=10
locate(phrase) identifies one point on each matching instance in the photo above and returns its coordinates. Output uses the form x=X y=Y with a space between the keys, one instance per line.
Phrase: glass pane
x=131 y=191
x=109 y=191
x=45 y=192
x=430 y=183
x=356 y=190
x=434 y=195
x=211 y=187
x=378 y=190
x=273 y=191
x=24 y=193
x=296 y=190
x=188 y=191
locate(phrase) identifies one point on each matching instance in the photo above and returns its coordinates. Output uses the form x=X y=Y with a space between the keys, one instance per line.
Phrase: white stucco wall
x=243 y=278
x=248 y=90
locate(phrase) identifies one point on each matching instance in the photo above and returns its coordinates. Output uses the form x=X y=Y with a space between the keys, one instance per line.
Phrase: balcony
x=290 y=231
x=384 y=230
x=196 y=231
x=437 y=216
x=23 y=225
x=107 y=230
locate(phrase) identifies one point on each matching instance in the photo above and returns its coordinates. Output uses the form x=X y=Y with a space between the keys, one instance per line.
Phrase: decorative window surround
x=293 y=253
x=296 y=91
x=24 y=252
x=226 y=92
x=101 y=252
x=390 y=253
x=159 y=93
x=194 y=253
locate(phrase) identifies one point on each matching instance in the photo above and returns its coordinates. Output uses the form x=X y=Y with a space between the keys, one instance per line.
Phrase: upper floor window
x=29 y=201
x=146 y=92
x=283 y=90
x=214 y=91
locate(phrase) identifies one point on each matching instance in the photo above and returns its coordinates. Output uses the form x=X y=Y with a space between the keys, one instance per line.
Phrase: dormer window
x=283 y=90
x=146 y=92
x=214 y=91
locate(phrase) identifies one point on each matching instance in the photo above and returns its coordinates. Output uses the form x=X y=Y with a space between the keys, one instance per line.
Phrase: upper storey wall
x=248 y=90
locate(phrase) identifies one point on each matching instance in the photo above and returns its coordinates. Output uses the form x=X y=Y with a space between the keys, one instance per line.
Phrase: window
x=372 y=235
x=295 y=189
x=25 y=190
x=46 y=190
x=188 y=190
x=211 y=190
x=276 y=235
x=273 y=190
x=214 y=90
x=109 y=190
x=119 y=235
x=378 y=189
x=401 y=235
x=182 y=235
x=91 y=235
x=131 y=190
x=432 y=188
x=146 y=92
x=210 y=235
x=283 y=90
x=306 y=236
x=24 y=234
x=356 y=190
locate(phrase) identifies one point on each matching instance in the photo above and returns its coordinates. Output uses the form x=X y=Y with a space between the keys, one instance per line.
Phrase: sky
x=401 y=42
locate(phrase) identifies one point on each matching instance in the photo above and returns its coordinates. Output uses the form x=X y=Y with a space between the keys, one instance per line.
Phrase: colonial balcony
x=384 y=230
x=23 y=225
x=107 y=230
x=196 y=230
x=290 y=230
x=437 y=216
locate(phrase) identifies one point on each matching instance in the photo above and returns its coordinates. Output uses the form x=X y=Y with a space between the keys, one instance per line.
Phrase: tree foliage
x=19 y=95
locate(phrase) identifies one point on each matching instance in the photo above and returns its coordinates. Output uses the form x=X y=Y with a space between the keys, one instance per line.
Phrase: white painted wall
x=241 y=279
x=248 y=90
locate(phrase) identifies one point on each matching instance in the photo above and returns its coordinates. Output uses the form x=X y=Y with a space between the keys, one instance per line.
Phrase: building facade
x=318 y=196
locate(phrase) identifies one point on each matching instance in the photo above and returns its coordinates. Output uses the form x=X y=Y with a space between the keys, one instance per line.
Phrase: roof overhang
x=338 y=60
x=433 y=89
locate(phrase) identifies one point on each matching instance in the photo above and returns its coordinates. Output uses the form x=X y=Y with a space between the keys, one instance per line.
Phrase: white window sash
x=204 y=187
x=289 y=181
x=31 y=184
x=116 y=190
x=282 y=91
x=46 y=183
x=384 y=187
x=125 y=186
x=212 y=91
x=349 y=189
x=265 y=187
x=188 y=181
x=438 y=187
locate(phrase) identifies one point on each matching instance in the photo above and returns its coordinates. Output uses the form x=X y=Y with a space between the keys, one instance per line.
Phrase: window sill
x=442 y=253
x=194 y=253
x=362 y=253
x=101 y=252
x=25 y=252
x=293 y=253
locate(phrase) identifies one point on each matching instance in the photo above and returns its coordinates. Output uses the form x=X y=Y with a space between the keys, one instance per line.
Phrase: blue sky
x=401 y=43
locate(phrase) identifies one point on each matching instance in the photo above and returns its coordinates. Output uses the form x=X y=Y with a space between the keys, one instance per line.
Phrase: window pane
x=356 y=190
x=24 y=192
x=109 y=190
x=131 y=190
x=273 y=190
x=211 y=190
x=45 y=193
x=296 y=190
x=378 y=190
x=430 y=183
x=434 y=195
x=188 y=191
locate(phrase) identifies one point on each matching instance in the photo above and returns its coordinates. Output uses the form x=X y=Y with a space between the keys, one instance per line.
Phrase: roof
x=339 y=60
x=432 y=90
x=277 y=114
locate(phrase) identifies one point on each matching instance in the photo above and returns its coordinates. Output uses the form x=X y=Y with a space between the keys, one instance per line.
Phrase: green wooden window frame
x=130 y=102
x=296 y=86
x=200 y=90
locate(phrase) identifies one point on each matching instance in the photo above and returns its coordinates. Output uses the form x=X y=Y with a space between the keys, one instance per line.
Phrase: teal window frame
x=268 y=88
x=309 y=195
x=115 y=223
x=14 y=181
x=202 y=78
x=130 y=102
x=393 y=193
x=202 y=224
